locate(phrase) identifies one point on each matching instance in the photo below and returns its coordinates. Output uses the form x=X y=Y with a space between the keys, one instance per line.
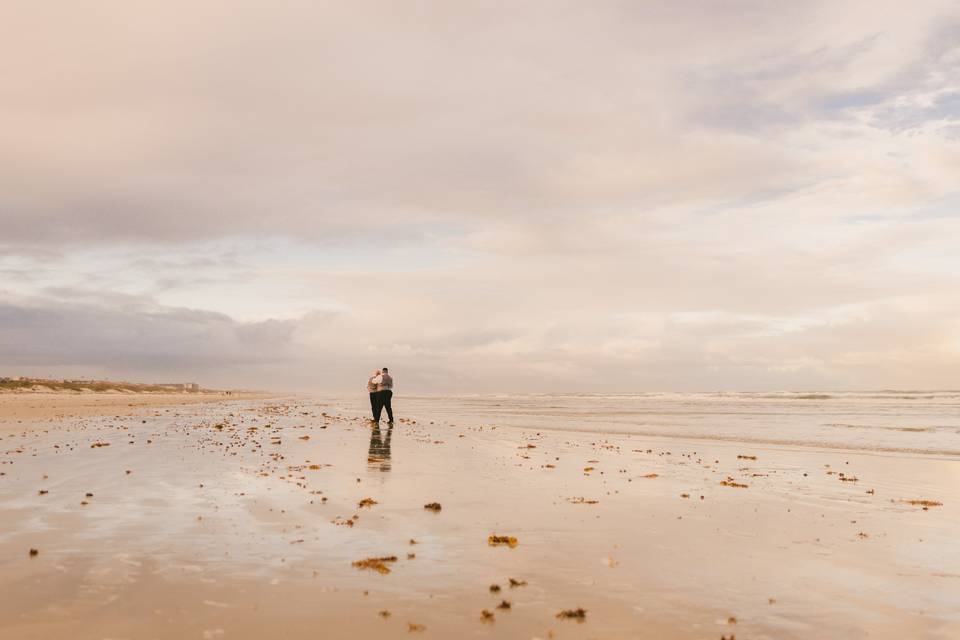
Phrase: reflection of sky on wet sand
x=237 y=521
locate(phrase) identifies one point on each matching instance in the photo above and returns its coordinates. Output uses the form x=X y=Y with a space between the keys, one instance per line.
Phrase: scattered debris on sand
x=236 y=438
x=579 y=614
x=730 y=482
x=497 y=541
x=375 y=564
x=926 y=504
x=344 y=522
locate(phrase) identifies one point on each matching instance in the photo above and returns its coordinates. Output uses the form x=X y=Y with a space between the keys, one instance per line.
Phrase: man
x=384 y=395
x=374 y=396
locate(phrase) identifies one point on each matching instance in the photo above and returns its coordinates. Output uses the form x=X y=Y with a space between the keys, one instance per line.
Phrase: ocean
x=919 y=422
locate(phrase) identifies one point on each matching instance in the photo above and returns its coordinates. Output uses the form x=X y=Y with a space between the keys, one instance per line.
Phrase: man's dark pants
x=383 y=402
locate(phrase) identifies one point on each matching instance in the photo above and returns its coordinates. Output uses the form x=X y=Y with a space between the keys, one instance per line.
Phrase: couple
x=380 y=387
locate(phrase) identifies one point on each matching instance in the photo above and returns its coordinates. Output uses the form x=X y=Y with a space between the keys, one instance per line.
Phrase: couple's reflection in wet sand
x=378 y=459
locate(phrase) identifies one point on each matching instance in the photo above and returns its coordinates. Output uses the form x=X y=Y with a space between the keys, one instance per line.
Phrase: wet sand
x=243 y=520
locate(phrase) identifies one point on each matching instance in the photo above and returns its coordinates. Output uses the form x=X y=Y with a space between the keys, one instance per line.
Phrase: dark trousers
x=383 y=402
x=374 y=401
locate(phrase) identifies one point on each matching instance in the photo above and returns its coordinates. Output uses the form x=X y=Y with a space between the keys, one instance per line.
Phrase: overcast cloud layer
x=555 y=196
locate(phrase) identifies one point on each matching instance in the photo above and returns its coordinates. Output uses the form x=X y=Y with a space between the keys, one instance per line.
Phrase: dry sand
x=33 y=409
x=243 y=520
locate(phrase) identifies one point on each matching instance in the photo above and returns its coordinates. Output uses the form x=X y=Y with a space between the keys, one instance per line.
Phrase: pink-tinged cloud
x=544 y=196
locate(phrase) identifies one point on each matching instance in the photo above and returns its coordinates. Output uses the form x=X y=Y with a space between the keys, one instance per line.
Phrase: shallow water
x=891 y=421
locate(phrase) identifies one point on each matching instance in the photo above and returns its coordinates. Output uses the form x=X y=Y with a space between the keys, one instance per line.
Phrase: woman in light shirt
x=372 y=390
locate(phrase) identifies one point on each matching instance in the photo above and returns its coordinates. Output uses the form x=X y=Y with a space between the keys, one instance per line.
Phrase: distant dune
x=40 y=385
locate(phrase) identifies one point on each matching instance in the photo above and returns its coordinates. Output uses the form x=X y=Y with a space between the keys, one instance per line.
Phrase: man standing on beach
x=374 y=396
x=384 y=395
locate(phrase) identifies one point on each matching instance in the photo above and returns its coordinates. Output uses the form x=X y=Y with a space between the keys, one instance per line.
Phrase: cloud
x=546 y=195
x=132 y=336
x=319 y=120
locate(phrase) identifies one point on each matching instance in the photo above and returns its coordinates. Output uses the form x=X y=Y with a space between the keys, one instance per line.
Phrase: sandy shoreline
x=32 y=409
x=230 y=520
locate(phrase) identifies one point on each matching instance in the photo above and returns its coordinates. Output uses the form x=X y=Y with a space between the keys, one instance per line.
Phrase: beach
x=31 y=410
x=645 y=516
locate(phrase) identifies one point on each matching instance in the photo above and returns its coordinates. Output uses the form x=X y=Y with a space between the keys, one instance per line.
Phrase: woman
x=372 y=390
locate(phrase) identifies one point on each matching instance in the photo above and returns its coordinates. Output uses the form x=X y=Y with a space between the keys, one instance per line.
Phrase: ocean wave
x=749 y=440
x=927 y=429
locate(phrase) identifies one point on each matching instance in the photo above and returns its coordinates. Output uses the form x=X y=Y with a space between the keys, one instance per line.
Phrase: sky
x=485 y=197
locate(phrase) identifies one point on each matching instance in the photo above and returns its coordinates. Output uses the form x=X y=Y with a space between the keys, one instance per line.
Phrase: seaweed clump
x=579 y=614
x=376 y=564
x=926 y=504
x=497 y=541
x=730 y=482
